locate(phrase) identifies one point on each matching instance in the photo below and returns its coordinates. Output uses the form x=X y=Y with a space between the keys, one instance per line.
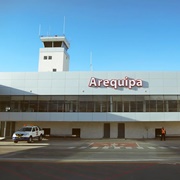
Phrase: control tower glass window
x=57 y=44
x=47 y=44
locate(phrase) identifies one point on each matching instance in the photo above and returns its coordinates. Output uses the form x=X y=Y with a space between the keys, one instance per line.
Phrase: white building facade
x=90 y=104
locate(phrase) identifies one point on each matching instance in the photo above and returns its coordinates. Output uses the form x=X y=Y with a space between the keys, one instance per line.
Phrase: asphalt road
x=90 y=159
x=88 y=171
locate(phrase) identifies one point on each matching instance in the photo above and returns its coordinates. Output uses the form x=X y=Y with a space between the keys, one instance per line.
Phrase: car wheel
x=15 y=141
x=30 y=140
x=40 y=138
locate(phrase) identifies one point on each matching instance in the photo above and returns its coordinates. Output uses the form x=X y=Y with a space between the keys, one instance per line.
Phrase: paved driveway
x=77 y=150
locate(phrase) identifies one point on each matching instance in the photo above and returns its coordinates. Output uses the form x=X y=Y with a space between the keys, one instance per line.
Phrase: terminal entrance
x=47 y=131
x=121 y=130
x=106 y=130
x=158 y=132
x=76 y=132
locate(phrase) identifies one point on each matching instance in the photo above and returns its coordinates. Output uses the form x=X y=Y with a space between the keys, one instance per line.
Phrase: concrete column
x=111 y=104
x=167 y=106
x=94 y=107
x=71 y=107
x=129 y=107
x=4 y=129
x=116 y=106
x=101 y=107
x=77 y=108
x=122 y=106
x=144 y=106
x=178 y=106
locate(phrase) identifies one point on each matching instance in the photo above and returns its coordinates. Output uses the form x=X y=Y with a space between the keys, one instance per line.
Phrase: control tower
x=53 y=57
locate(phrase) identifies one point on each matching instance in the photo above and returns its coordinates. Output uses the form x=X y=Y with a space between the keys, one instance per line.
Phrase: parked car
x=28 y=133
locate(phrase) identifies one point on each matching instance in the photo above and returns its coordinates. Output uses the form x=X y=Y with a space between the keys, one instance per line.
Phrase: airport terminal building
x=88 y=104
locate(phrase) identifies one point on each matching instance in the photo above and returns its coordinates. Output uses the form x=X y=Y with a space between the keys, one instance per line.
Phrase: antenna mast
x=64 y=25
x=39 y=29
x=91 y=66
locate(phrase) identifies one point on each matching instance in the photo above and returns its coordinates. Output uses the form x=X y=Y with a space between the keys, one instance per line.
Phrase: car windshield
x=25 y=129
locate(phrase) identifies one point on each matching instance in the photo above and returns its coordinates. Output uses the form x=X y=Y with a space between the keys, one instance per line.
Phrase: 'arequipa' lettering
x=115 y=83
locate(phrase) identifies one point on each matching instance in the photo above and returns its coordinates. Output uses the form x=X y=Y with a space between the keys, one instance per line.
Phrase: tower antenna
x=91 y=66
x=64 y=25
x=39 y=29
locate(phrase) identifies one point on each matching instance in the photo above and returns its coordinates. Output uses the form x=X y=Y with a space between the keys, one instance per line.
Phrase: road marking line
x=93 y=147
x=71 y=147
x=174 y=147
x=116 y=147
x=114 y=144
x=162 y=147
x=91 y=144
x=128 y=147
x=151 y=147
x=137 y=145
x=83 y=147
x=140 y=147
x=105 y=147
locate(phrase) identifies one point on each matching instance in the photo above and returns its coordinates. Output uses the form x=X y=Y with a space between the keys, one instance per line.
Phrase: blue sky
x=123 y=35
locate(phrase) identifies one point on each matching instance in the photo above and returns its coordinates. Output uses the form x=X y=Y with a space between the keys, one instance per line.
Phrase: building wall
x=59 y=61
x=147 y=130
x=96 y=130
x=137 y=125
x=88 y=130
x=91 y=117
x=77 y=83
x=113 y=130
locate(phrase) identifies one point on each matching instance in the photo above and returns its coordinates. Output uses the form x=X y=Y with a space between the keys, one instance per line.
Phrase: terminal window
x=45 y=57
